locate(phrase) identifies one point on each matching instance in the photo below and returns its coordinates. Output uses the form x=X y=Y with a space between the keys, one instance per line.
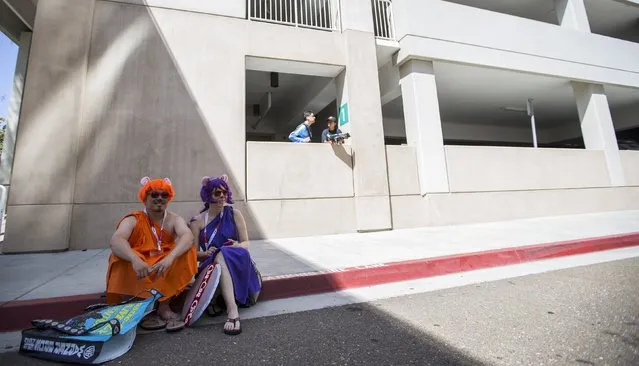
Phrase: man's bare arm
x=121 y=248
x=120 y=240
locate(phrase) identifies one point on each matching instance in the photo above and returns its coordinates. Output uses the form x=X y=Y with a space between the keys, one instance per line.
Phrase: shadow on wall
x=141 y=119
x=148 y=122
x=343 y=155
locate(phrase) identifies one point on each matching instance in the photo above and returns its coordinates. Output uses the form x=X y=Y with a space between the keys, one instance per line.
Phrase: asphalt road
x=580 y=316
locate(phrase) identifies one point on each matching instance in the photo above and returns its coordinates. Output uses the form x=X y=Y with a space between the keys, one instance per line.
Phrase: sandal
x=173 y=322
x=174 y=325
x=235 y=322
x=210 y=310
x=153 y=322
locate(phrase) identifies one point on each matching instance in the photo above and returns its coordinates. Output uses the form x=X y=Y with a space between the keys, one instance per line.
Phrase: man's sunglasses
x=164 y=195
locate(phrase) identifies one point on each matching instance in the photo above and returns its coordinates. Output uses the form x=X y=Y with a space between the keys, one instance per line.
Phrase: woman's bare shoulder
x=237 y=213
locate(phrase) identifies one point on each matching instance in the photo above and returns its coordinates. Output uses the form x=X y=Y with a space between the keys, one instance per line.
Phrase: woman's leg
x=227 y=292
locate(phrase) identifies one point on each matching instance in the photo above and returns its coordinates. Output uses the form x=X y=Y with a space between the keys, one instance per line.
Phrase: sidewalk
x=38 y=284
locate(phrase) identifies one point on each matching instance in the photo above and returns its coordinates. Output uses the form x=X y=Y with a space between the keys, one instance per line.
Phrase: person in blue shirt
x=331 y=130
x=303 y=132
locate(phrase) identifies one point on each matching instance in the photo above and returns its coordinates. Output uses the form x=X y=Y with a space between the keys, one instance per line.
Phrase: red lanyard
x=155 y=233
x=206 y=220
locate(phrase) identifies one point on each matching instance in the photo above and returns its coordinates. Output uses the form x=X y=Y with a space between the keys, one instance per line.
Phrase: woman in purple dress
x=223 y=238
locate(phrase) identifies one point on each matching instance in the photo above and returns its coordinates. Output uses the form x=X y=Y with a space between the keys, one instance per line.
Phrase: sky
x=8 y=57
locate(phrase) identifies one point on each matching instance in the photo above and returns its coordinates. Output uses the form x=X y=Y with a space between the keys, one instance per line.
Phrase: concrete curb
x=15 y=315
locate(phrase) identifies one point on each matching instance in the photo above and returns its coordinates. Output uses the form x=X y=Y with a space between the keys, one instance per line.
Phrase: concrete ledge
x=492 y=168
x=482 y=207
x=15 y=315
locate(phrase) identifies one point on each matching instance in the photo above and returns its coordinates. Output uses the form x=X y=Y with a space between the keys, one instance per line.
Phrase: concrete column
x=357 y=15
x=46 y=151
x=358 y=100
x=423 y=124
x=389 y=82
x=572 y=14
x=597 y=128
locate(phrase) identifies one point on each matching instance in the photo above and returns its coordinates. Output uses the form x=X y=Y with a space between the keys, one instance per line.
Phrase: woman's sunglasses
x=219 y=192
x=164 y=195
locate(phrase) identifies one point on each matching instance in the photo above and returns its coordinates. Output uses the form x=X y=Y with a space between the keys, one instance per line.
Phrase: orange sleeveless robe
x=121 y=278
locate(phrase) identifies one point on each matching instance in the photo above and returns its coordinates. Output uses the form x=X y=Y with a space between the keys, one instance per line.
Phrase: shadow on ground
x=356 y=334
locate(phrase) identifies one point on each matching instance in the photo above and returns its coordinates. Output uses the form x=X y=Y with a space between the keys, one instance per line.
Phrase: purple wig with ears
x=209 y=184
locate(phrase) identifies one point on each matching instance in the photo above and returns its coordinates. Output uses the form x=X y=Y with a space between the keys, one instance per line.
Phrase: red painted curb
x=15 y=315
x=341 y=279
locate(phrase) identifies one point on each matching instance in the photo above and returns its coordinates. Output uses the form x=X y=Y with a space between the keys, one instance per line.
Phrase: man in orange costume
x=152 y=249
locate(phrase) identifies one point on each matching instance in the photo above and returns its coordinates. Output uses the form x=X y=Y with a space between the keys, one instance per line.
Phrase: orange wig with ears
x=149 y=185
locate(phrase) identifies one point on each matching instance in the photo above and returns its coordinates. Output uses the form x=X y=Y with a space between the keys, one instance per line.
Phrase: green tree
x=3 y=126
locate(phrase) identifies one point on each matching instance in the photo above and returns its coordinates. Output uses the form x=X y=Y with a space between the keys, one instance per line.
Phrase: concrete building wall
x=476 y=207
x=230 y=8
x=630 y=163
x=435 y=29
x=485 y=187
x=43 y=178
x=127 y=91
x=280 y=170
x=488 y=169
x=358 y=90
x=402 y=170
x=121 y=89
x=479 y=169
x=389 y=82
x=301 y=217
